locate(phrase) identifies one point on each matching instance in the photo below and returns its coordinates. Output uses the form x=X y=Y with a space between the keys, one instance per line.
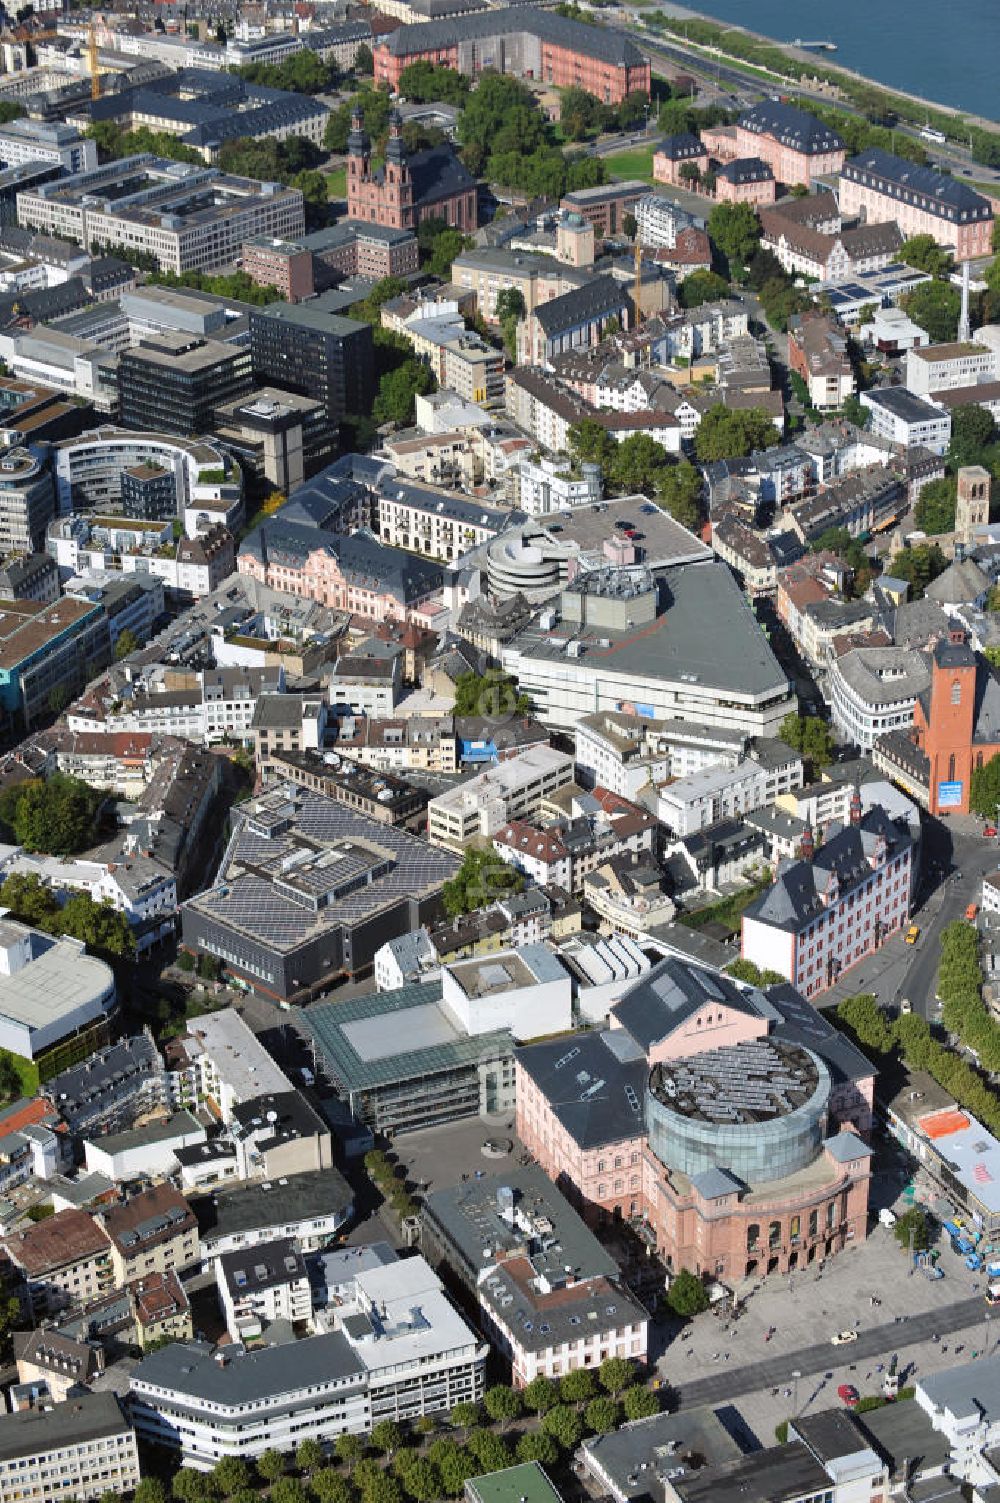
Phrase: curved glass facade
x=754 y=1151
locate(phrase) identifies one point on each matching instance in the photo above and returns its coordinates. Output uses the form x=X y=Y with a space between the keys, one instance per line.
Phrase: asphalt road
x=874 y=1345
x=969 y=855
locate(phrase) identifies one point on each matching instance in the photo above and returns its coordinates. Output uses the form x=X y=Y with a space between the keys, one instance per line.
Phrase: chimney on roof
x=856 y=805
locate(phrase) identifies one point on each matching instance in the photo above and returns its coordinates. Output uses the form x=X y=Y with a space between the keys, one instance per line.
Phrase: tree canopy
x=809 y=736
x=935 y=508
x=702 y=287
x=481 y=880
x=57 y=815
x=984 y=789
x=726 y=434
x=972 y=431
x=923 y=253
x=398 y=389
x=687 y=1294
x=679 y=491
x=919 y=566
x=425 y=83
x=734 y=230
x=493 y=693
x=935 y=306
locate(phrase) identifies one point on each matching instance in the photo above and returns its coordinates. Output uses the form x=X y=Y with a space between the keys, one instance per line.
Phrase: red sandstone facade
x=561 y=66
x=403 y=191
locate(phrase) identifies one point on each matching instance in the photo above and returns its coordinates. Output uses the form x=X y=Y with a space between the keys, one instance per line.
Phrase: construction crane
x=637 y=291
x=93 y=63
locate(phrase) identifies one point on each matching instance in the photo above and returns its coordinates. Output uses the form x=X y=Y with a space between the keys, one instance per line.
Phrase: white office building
x=901 y=417
x=512 y=790
x=398 y=1349
x=546 y=486
x=226 y=1064
x=691 y=803
x=261 y=1285
x=874 y=690
x=526 y=991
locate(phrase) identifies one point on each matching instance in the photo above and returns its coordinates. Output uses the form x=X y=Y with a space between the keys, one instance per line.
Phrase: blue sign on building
x=949 y=795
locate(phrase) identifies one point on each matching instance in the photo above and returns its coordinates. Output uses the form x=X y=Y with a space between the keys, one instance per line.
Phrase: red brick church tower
x=944 y=724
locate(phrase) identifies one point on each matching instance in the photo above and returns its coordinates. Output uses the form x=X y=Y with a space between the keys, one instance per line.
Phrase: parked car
x=849 y=1395
x=843 y=1337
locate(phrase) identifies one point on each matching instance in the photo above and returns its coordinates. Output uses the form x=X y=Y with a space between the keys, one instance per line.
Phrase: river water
x=948 y=52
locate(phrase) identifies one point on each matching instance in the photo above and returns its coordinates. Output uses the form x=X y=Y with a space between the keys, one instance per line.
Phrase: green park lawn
x=336 y=183
x=637 y=163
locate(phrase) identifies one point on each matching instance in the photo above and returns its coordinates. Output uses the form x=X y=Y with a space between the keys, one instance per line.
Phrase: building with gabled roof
x=835 y=905
x=154 y=1232
x=409 y=186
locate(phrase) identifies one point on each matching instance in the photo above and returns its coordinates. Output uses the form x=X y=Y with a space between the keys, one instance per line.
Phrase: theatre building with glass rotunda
x=728 y=1125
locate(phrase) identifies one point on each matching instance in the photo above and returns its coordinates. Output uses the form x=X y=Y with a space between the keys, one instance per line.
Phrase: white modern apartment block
x=82 y=1448
x=625 y=753
x=693 y=802
x=89 y=469
x=512 y=790
x=419 y=1356
x=204 y=1403
x=546 y=486
x=225 y=1065
x=399 y=1350
x=963 y=1405
x=901 y=417
x=874 y=689
x=261 y=1285
x=659 y=220
x=942 y=367
x=526 y=991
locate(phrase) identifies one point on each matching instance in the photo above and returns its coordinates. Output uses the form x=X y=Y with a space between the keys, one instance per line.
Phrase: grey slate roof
x=670 y=993
x=746 y=170
x=363 y=560
x=682 y=146
x=597 y=299
x=793 y=127
x=592 y=41
x=793 y=901
x=960 y=583
x=597 y=1097
x=948 y=193
x=189 y=1369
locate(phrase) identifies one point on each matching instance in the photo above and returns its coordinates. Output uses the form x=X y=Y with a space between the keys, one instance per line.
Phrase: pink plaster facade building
x=796 y=146
x=677 y=153
x=877 y=187
x=747 y=180
x=411 y=185
x=729 y=1127
x=348 y=573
